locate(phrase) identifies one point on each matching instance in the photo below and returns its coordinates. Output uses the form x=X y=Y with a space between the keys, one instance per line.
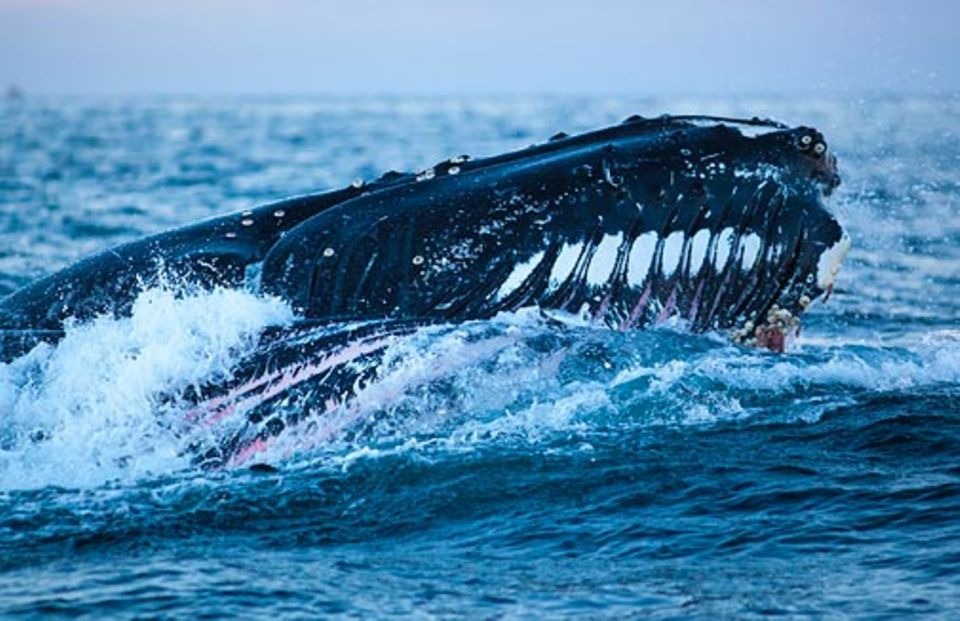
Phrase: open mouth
x=779 y=325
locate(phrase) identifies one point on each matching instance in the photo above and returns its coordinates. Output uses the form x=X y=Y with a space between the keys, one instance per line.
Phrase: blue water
x=496 y=469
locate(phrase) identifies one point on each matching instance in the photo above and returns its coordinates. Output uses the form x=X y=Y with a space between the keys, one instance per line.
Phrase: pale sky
x=480 y=46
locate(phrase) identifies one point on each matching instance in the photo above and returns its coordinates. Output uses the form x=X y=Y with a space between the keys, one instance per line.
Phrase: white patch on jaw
x=750 y=247
x=519 y=274
x=604 y=259
x=672 y=250
x=698 y=249
x=566 y=261
x=830 y=260
x=747 y=129
x=724 y=242
x=641 y=255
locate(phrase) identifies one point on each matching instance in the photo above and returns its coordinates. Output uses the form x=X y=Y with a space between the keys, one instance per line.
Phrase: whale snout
x=826 y=174
x=818 y=157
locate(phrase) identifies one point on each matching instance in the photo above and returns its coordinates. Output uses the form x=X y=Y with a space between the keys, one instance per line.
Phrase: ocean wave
x=108 y=401
x=93 y=407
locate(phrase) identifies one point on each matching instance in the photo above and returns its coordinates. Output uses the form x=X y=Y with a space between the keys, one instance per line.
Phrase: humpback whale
x=719 y=222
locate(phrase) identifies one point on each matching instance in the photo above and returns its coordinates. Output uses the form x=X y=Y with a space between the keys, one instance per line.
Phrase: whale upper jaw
x=729 y=225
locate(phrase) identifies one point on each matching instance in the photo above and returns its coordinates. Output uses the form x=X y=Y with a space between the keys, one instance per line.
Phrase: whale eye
x=819 y=148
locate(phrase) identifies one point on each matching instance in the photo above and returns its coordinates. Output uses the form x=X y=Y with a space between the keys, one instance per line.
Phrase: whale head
x=750 y=242
x=720 y=223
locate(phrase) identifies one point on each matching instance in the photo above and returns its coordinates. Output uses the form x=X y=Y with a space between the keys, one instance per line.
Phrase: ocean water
x=499 y=469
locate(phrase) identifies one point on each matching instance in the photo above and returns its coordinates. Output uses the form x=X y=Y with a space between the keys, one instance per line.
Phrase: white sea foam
x=722 y=377
x=99 y=398
x=102 y=396
x=870 y=369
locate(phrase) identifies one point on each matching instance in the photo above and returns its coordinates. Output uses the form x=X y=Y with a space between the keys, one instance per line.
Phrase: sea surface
x=505 y=469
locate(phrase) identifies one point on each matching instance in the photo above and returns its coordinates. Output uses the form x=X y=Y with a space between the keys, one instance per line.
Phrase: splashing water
x=107 y=402
x=92 y=408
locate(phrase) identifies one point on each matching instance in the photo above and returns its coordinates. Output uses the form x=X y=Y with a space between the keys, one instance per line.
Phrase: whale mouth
x=773 y=333
x=780 y=324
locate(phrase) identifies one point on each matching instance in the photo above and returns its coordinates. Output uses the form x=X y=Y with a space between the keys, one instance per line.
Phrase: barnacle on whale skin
x=773 y=333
